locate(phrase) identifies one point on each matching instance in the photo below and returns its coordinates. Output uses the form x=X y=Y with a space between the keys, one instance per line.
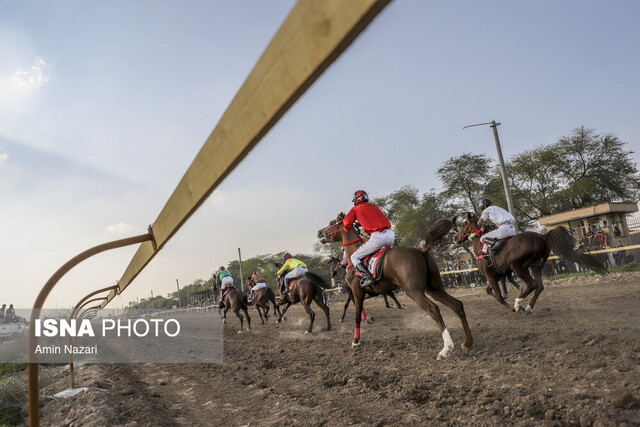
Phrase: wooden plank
x=314 y=34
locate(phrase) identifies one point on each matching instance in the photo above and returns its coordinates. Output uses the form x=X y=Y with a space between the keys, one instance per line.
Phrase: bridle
x=464 y=230
x=337 y=227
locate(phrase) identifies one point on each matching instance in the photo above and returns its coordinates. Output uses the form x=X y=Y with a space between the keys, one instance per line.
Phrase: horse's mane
x=316 y=279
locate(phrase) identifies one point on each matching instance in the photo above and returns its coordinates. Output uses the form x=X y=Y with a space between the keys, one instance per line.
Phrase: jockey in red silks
x=375 y=224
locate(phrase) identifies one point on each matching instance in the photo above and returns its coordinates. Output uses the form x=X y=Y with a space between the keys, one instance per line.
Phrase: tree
x=594 y=169
x=465 y=179
x=580 y=170
x=534 y=181
x=411 y=214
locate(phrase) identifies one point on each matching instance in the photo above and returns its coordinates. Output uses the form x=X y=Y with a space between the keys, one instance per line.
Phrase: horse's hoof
x=528 y=310
x=239 y=332
x=467 y=345
x=307 y=332
x=442 y=356
x=341 y=320
x=355 y=344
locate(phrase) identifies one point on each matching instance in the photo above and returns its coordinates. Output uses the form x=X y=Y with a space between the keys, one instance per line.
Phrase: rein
x=336 y=230
x=466 y=236
x=359 y=239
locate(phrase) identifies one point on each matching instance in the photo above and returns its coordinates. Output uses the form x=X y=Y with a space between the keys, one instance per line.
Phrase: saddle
x=226 y=291
x=494 y=250
x=292 y=287
x=373 y=263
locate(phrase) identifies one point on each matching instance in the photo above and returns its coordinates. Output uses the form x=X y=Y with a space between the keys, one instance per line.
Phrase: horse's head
x=470 y=225
x=331 y=233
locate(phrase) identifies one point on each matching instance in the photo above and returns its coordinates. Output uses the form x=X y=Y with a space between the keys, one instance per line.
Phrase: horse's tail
x=436 y=233
x=561 y=243
x=317 y=280
x=245 y=299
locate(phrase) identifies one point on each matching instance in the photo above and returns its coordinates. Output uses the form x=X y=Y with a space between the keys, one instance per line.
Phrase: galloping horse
x=337 y=269
x=308 y=288
x=236 y=301
x=520 y=253
x=413 y=269
x=261 y=299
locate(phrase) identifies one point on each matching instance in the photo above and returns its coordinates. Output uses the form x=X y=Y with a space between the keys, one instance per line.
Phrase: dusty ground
x=575 y=361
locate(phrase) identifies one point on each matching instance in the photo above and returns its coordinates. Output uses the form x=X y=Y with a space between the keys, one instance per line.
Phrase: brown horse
x=261 y=299
x=308 y=288
x=520 y=253
x=338 y=270
x=236 y=301
x=413 y=269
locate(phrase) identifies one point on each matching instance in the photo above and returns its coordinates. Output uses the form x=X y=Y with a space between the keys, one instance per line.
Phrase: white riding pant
x=226 y=282
x=294 y=274
x=258 y=286
x=377 y=240
x=502 y=232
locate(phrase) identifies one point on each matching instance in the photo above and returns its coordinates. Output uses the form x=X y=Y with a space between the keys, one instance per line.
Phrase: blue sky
x=104 y=105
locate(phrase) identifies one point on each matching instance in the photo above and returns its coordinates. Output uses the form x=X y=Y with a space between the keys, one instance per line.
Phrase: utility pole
x=179 y=298
x=503 y=170
x=152 y=304
x=241 y=277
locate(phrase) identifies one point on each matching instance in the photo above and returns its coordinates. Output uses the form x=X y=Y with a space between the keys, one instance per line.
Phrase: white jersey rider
x=502 y=219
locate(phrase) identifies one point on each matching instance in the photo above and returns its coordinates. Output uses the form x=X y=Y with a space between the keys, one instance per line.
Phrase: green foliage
x=465 y=180
x=632 y=266
x=580 y=170
x=8 y=368
x=411 y=213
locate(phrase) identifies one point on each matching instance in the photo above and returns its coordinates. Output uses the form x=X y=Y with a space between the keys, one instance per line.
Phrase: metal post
x=33 y=367
x=84 y=301
x=241 y=276
x=503 y=170
x=179 y=297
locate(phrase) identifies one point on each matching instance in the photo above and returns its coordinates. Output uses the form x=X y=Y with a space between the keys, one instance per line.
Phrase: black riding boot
x=366 y=279
x=490 y=241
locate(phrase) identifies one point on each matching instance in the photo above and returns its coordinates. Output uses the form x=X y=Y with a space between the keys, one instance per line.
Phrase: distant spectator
x=616 y=231
x=618 y=256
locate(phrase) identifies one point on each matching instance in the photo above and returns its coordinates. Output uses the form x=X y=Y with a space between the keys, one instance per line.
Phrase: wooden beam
x=314 y=34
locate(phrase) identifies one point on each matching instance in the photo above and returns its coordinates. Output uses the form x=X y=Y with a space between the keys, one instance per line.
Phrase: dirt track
x=575 y=361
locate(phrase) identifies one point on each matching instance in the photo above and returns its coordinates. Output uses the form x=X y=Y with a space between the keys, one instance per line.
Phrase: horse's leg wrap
x=448 y=345
x=356 y=333
x=517 y=305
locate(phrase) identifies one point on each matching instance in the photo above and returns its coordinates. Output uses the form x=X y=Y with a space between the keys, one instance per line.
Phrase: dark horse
x=308 y=288
x=337 y=269
x=236 y=301
x=261 y=299
x=522 y=252
x=413 y=269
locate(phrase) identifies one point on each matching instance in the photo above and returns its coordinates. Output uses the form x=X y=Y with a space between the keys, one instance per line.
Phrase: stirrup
x=366 y=281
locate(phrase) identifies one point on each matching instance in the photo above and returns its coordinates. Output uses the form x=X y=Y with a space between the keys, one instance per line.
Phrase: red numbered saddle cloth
x=374 y=263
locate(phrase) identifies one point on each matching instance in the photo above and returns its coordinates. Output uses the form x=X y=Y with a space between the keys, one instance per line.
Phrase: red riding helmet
x=360 y=196
x=221 y=268
x=286 y=256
